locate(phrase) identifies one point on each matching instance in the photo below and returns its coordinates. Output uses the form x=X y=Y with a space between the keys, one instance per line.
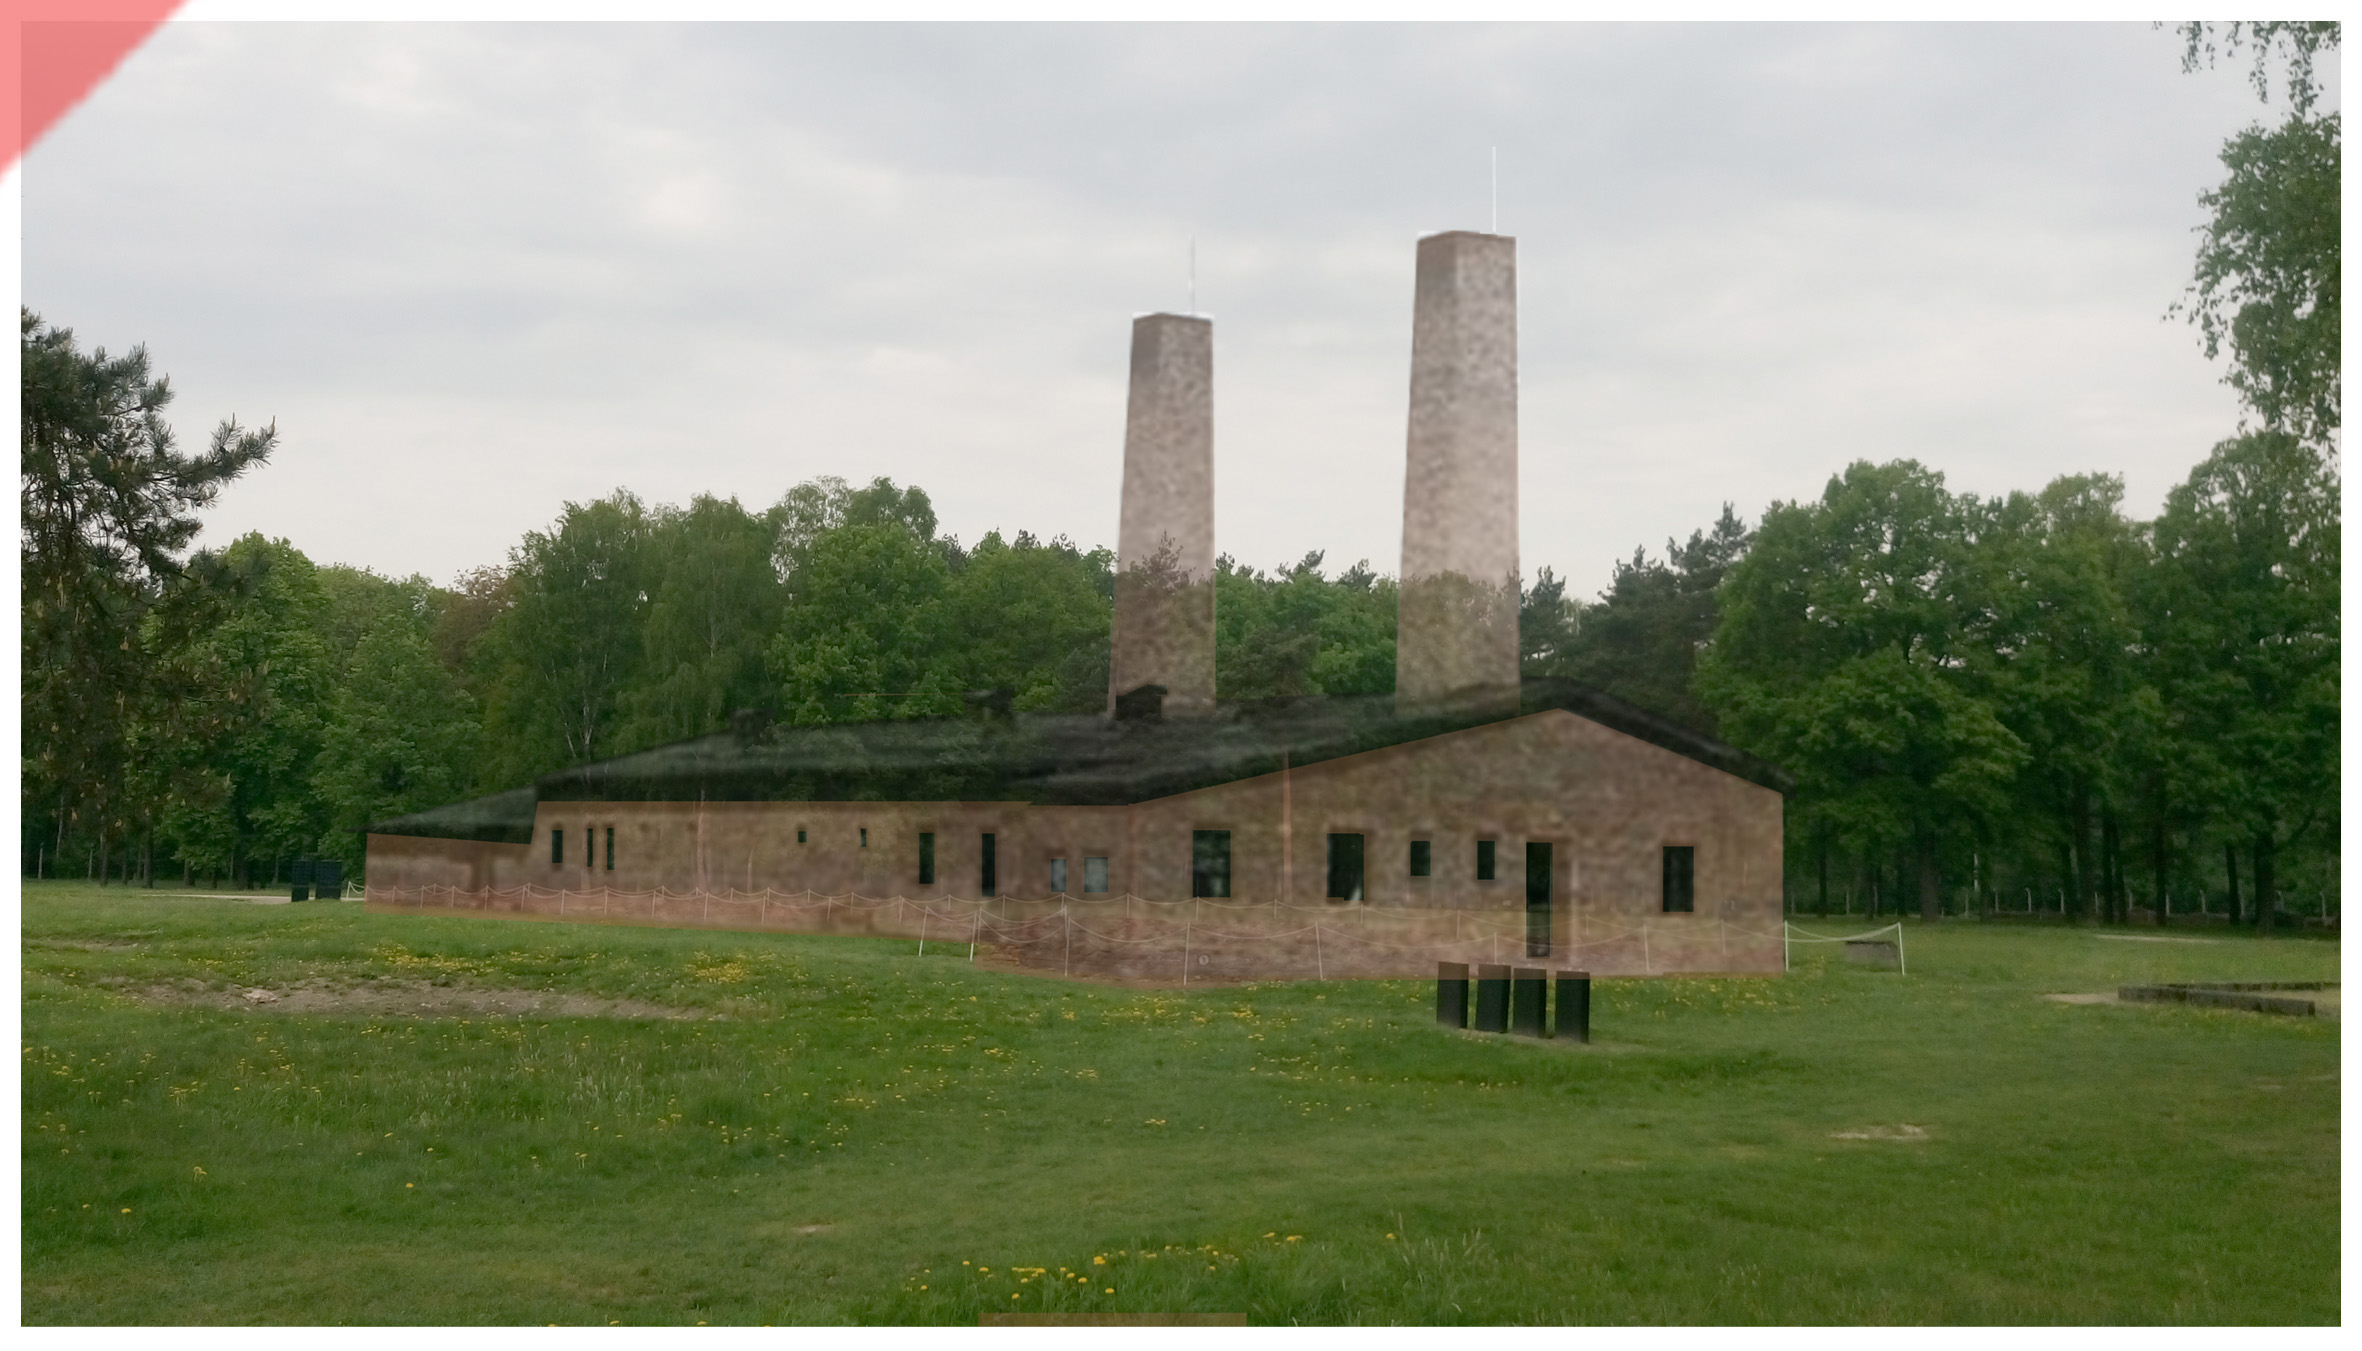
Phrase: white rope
x=1902 y=962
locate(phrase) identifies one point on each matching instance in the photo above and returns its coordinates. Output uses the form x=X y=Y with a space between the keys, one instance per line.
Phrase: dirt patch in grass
x=405 y=999
x=2327 y=1002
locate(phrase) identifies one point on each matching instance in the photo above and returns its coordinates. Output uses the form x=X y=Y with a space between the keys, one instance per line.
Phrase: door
x=1537 y=899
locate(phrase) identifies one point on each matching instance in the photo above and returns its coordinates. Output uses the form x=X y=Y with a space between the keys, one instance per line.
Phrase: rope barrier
x=1379 y=932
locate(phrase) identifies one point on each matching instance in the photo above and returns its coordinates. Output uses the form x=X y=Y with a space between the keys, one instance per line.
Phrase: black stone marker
x=328 y=879
x=299 y=892
x=1492 y=998
x=1528 y=989
x=1451 y=993
x=1574 y=1005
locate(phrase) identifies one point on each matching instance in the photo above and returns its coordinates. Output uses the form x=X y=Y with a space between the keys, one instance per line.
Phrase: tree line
x=2031 y=697
x=2032 y=701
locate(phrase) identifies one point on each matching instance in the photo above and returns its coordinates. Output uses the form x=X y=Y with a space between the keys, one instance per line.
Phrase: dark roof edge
x=496 y=818
x=1542 y=693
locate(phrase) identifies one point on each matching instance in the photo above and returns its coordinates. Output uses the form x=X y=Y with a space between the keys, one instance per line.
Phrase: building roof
x=1044 y=758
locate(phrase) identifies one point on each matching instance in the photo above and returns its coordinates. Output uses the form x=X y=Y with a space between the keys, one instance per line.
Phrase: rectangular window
x=1209 y=863
x=1484 y=860
x=1057 y=877
x=610 y=848
x=799 y=834
x=926 y=858
x=989 y=880
x=1681 y=879
x=557 y=846
x=1422 y=858
x=1345 y=867
x=1094 y=876
x=865 y=837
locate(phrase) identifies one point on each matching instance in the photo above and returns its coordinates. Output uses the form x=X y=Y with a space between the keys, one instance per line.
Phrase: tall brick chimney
x=1164 y=582
x=1457 y=627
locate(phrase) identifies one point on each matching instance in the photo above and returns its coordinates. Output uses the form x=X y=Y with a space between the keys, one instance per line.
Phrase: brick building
x=1473 y=815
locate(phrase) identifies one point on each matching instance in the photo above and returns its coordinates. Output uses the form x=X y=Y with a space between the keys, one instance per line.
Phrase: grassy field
x=790 y=1129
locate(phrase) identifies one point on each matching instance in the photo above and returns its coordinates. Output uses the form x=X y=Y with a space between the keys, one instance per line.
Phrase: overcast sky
x=477 y=271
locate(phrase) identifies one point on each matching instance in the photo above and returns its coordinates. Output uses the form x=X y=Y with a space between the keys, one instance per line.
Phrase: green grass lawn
x=850 y=1131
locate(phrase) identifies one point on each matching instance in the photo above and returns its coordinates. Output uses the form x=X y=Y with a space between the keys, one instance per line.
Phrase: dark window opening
x=990 y=879
x=1537 y=899
x=1345 y=867
x=557 y=846
x=1484 y=860
x=1057 y=877
x=1209 y=863
x=1095 y=876
x=926 y=858
x=865 y=837
x=610 y=848
x=1422 y=859
x=1681 y=879
x=799 y=834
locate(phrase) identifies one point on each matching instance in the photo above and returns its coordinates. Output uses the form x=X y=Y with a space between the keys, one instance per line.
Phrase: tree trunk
x=2079 y=880
x=1824 y=902
x=2231 y=871
x=1931 y=890
x=2112 y=864
x=2157 y=862
x=2267 y=902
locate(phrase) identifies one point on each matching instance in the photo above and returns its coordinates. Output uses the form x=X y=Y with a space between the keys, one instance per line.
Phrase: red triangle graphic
x=58 y=50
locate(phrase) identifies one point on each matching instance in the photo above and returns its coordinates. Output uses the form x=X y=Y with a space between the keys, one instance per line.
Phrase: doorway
x=1537 y=899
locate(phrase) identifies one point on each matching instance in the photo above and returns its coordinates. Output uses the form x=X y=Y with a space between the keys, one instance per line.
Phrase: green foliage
x=108 y=504
x=713 y=596
x=1642 y=640
x=2053 y=575
x=400 y=737
x=1034 y=618
x=864 y=633
x=2268 y=278
x=565 y=653
x=1843 y=654
x=267 y=675
x=2298 y=42
x=1296 y=632
x=2241 y=612
x=2027 y=692
x=839 y=1130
